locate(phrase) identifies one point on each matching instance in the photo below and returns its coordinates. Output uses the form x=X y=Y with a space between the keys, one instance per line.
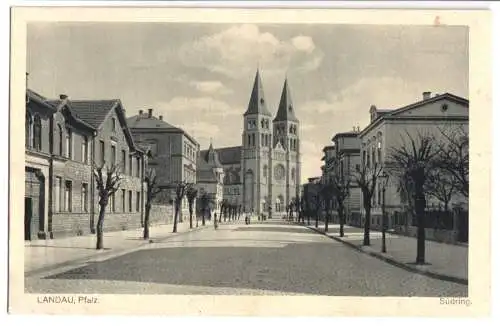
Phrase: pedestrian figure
x=216 y=224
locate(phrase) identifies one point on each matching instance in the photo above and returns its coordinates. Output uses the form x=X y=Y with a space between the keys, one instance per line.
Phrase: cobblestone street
x=268 y=258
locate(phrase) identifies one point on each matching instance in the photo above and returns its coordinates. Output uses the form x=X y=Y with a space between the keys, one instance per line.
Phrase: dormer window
x=262 y=101
x=290 y=108
x=444 y=107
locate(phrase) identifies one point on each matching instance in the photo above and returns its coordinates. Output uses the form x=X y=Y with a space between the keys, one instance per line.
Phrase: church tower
x=286 y=156
x=256 y=150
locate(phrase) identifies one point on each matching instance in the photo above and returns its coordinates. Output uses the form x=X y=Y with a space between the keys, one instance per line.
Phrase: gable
x=444 y=107
x=115 y=125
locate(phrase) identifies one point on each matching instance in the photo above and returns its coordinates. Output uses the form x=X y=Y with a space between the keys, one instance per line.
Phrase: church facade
x=263 y=174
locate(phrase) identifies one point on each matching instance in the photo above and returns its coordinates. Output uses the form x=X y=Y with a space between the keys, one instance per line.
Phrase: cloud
x=303 y=43
x=236 y=52
x=210 y=87
x=198 y=106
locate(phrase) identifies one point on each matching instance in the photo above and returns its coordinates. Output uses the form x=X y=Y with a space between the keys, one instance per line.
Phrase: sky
x=200 y=76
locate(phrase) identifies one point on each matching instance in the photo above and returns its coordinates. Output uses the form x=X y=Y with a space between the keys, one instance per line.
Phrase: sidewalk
x=443 y=261
x=40 y=255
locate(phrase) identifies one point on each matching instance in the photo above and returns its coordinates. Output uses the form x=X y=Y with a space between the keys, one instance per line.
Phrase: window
x=85 y=196
x=102 y=151
x=253 y=139
x=124 y=161
x=67 y=195
x=264 y=171
x=85 y=149
x=262 y=139
x=69 y=143
x=113 y=154
x=379 y=155
x=60 y=140
x=27 y=141
x=58 y=195
x=293 y=174
x=368 y=159
x=138 y=167
x=138 y=201
x=113 y=124
x=123 y=200
x=37 y=133
x=130 y=201
x=249 y=140
x=364 y=158
x=111 y=203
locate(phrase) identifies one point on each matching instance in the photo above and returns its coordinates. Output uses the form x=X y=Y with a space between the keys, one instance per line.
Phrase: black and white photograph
x=248 y=157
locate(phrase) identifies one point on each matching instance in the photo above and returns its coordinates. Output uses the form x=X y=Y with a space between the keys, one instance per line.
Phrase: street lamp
x=383 y=178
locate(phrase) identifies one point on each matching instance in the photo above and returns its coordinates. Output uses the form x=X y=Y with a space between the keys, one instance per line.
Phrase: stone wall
x=162 y=214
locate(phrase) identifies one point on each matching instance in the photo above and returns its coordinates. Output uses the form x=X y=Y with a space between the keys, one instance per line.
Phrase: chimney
x=161 y=117
x=150 y=113
x=63 y=96
x=426 y=95
x=140 y=112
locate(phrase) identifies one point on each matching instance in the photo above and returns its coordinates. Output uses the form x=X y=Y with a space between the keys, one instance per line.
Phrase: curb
x=100 y=256
x=439 y=276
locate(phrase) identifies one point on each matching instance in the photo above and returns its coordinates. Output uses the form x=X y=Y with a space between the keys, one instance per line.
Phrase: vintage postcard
x=250 y=162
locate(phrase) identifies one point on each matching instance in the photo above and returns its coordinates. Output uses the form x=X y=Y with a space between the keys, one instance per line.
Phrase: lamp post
x=383 y=177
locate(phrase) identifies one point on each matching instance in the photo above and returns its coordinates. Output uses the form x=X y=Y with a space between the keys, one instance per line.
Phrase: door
x=28 y=215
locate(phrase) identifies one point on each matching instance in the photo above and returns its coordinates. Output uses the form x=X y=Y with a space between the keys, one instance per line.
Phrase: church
x=263 y=174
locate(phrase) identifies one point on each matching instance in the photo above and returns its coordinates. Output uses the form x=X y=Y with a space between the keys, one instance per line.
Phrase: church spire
x=257 y=103
x=286 y=109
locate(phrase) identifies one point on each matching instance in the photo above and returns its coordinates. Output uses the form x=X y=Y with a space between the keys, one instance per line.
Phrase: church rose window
x=279 y=172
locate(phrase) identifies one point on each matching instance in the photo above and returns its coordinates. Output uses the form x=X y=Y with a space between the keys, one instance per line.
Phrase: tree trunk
x=146 y=222
x=341 y=219
x=203 y=217
x=100 y=225
x=176 y=215
x=366 y=238
x=420 y=212
x=317 y=219
x=190 y=216
x=327 y=218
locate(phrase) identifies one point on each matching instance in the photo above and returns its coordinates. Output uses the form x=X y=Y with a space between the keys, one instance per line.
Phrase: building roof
x=95 y=112
x=144 y=121
x=257 y=103
x=229 y=155
x=34 y=96
x=352 y=134
x=286 y=110
x=392 y=113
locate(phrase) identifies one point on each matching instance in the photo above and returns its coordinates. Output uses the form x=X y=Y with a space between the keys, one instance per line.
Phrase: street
x=268 y=258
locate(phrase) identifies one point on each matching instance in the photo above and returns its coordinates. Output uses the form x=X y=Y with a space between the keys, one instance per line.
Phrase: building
x=327 y=169
x=38 y=162
x=67 y=137
x=210 y=177
x=348 y=160
x=389 y=128
x=267 y=163
x=310 y=192
x=174 y=153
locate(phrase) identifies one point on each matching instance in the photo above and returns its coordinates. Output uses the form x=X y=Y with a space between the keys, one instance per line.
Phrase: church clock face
x=279 y=172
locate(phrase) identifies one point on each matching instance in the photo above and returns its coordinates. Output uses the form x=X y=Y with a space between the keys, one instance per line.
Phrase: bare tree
x=107 y=182
x=180 y=192
x=441 y=186
x=191 y=193
x=152 y=190
x=341 y=189
x=327 y=192
x=454 y=156
x=366 y=179
x=413 y=162
x=205 y=202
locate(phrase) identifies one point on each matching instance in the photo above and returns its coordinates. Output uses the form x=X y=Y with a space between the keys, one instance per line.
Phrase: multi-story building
x=390 y=129
x=210 y=177
x=74 y=135
x=347 y=148
x=269 y=157
x=173 y=153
